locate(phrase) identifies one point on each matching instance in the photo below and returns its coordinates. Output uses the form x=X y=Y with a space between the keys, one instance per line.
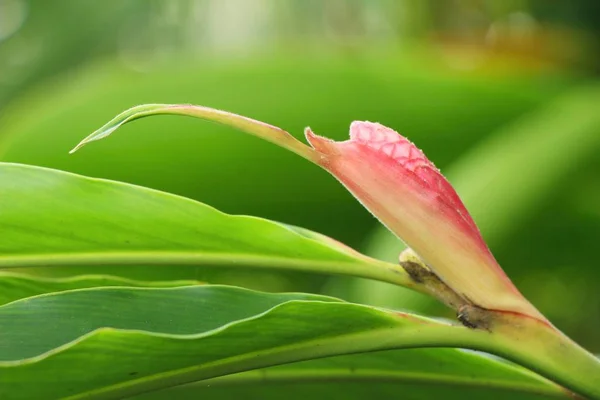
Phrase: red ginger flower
x=396 y=182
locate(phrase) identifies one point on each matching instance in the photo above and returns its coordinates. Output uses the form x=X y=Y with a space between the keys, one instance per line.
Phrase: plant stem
x=544 y=349
x=529 y=341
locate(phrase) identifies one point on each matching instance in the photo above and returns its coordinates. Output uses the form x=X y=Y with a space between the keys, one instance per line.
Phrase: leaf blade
x=54 y=218
x=253 y=330
x=260 y=129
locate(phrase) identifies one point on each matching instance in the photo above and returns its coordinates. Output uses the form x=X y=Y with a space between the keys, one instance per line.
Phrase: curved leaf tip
x=260 y=129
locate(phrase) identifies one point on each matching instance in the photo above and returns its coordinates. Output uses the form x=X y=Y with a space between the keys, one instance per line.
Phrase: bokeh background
x=503 y=95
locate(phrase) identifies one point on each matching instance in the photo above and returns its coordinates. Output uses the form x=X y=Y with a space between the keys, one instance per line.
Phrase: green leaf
x=52 y=218
x=17 y=286
x=257 y=128
x=406 y=374
x=170 y=310
x=133 y=340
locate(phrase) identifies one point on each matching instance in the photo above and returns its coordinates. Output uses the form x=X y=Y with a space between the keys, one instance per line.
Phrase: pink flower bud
x=396 y=182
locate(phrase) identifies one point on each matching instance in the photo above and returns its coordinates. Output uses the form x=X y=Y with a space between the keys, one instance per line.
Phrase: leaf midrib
x=383 y=376
x=378 y=270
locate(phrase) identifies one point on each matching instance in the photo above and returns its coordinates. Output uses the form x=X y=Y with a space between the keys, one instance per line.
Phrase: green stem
x=545 y=350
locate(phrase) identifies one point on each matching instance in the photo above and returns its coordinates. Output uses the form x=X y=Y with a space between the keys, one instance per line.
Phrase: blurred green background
x=503 y=95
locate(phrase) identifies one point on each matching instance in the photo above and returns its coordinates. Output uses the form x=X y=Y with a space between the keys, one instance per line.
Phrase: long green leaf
x=133 y=340
x=52 y=218
x=257 y=128
x=406 y=374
